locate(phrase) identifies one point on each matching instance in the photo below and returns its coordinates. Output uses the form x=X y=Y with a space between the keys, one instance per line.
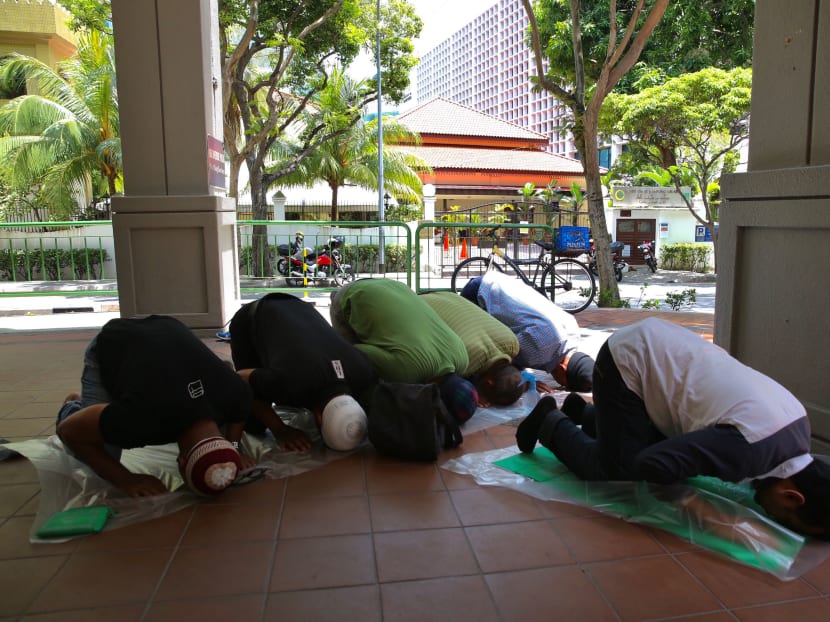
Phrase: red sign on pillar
x=216 y=162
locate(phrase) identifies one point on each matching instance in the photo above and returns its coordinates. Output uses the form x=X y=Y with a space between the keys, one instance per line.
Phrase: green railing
x=362 y=240
x=71 y=253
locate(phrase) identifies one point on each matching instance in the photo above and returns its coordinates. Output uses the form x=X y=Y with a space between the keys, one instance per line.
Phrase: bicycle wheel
x=570 y=284
x=470 y=269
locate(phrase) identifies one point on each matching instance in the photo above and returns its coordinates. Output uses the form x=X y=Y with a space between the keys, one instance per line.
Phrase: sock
x=574 y=407
x=589 y=420
x=528 y=431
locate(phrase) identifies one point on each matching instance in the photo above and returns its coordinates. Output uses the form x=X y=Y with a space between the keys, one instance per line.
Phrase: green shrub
x=397 y=258
x=364 y=257
x=246 y=259
x=685 y=256
x=13 y=265
x=52 y=264
x=677 y=300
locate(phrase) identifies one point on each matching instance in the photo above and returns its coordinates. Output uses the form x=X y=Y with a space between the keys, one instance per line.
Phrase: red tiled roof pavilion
x=473 y=154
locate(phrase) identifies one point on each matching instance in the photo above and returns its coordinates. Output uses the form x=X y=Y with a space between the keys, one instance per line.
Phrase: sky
x=441 y=19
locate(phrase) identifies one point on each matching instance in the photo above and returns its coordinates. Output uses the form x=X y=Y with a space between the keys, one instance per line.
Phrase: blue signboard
x=702 y=234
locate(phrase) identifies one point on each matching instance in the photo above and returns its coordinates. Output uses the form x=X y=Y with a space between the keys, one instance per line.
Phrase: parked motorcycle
x=620 y=265
x=292 y=253
x=305 y=265
x=647 y=249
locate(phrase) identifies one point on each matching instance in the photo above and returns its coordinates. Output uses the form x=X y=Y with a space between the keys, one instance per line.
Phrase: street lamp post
x=381 y=205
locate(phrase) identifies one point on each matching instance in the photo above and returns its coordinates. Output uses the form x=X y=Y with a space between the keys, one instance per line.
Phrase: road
x=92 y=310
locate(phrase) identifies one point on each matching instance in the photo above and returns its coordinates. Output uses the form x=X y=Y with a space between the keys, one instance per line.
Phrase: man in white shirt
x=669 y=405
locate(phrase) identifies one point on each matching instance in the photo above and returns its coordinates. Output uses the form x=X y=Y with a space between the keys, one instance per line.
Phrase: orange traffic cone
x=446 y=242
x=463 y=254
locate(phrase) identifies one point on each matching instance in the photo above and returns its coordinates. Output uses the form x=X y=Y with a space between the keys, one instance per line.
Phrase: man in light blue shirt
x=547 y=335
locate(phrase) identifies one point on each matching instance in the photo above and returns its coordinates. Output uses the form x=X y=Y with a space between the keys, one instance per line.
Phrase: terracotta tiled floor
x=363 y=539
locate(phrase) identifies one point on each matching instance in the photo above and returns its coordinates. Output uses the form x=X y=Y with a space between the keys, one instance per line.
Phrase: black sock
x=528 y=432
x=574 y=407
x=589 y=420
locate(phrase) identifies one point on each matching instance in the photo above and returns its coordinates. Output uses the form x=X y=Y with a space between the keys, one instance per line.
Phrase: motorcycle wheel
x=652 y=265
x=343 y=275
x=618 y=273
x=282 y=266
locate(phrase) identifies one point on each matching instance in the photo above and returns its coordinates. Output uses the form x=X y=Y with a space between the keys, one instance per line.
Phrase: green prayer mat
x=664 y=507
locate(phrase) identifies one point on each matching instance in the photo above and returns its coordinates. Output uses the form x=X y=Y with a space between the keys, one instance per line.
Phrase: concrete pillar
x=775 y=219
x=174 y=227
x=429 y=202
x=279 y=205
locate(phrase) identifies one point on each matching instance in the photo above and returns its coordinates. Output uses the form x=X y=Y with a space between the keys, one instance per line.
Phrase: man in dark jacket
x=290 y=355
x=151 y=382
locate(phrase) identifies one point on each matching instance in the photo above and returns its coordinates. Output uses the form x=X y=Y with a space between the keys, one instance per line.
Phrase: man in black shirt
x=151 y=381
x=290 y=356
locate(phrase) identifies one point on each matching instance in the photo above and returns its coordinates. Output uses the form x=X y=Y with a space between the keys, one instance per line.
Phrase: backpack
x=410 y=421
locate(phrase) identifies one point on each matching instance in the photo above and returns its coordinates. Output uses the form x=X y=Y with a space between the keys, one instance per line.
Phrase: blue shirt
x=545 y=332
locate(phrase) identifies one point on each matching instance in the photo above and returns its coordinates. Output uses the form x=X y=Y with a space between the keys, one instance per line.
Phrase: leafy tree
x=581 y=78
x=352 y=157
x=63 y=141
x=692 y=35
x=13 y=84
x=549 y=194
x=94 y=15
x=657 y=176
x=13 y=202
x=276 y=57
x=690 y=126
x=403 y=212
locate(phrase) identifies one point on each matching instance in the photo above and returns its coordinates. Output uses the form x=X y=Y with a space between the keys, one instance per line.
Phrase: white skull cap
x=344 y=423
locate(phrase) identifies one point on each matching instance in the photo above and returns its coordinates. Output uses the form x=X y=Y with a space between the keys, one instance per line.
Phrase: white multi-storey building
x=487 y=65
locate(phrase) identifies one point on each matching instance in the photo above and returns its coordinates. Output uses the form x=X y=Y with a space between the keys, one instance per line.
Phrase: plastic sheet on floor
x=715 y=515
x=489 y=416
x=67 y=483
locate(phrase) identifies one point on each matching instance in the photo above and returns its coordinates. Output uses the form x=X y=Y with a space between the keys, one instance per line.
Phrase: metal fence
x=360 y=245
x=446 y=244
x=425 y=252
x=56 y=251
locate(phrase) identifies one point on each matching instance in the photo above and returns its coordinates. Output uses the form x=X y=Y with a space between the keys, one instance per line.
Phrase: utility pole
x=381 y=206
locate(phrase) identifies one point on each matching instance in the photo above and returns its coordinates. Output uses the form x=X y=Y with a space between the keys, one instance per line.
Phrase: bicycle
x=567 y=282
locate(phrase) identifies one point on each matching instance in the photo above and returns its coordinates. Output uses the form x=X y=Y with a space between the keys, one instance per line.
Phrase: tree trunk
x=334 y=189
x=233 y=177
x=586 y=144
x=261 y=255
x=233 y=192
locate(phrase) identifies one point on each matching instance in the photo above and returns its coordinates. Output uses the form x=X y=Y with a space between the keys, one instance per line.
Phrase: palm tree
x=351 y=156
x=63 y=142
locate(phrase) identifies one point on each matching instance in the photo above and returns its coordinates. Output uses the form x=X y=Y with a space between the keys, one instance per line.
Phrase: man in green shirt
x=404 y=338
x=490 y=344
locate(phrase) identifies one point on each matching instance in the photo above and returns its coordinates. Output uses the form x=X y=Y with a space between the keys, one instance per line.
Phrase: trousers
x=623 y=429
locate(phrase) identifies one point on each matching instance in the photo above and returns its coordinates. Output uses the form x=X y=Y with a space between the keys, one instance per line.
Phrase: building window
x=605 y=157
